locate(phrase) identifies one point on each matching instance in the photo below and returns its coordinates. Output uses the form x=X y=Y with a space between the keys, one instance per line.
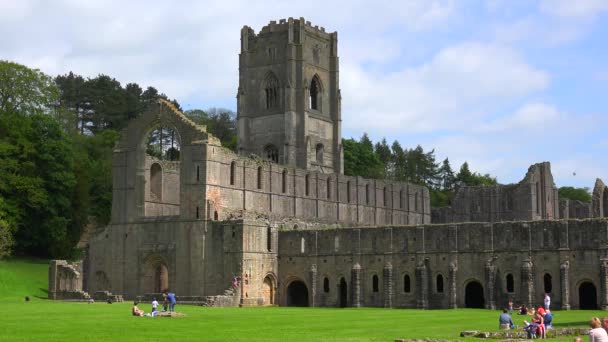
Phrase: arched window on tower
x=271 y=153
x=319 y=153
x=315 y=93
x=271 y=91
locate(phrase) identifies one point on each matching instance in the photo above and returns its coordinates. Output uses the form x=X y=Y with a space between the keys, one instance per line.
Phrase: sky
x=501 y=84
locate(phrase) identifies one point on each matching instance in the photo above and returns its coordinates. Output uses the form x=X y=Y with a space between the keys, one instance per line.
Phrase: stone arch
x=547 y=282
x=375 y=283
x=587 y=295
x=316 y=93
x=271 y=153
x=129 y=156
x=510 y=283
x=342 y=293
x=439 y=283
x=156 y=182
x=297 y=293
x=272 y=91
x=319 y=151
x=156 y=275
x=407 y=283
x=232 y=172
x=269 y=289
x=474 y=294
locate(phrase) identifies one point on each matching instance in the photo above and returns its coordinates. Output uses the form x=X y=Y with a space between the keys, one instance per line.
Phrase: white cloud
x=464 y=78
x=529 y=116
x=577 y=9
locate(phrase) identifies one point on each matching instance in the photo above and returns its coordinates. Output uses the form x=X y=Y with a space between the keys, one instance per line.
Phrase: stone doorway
x=297 y=294
x=268 y=290
x=473 y=297
x=587 y=296
x=343 y=292
x=156 y=276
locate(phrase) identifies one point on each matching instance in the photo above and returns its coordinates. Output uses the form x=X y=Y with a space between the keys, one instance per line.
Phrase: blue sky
x=501 y=84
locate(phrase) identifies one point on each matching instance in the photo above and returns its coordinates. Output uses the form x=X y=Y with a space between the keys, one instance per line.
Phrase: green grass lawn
x=45 y=320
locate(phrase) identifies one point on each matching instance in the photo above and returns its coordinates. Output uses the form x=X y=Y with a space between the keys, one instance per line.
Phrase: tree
x=25 y=90
x=384 y=154
x=220 y=122
x=360 y=159
x=446 y=175
x=576 y=194
x=464 y=175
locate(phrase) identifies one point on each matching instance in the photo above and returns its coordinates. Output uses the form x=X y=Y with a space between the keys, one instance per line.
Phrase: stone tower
x=289 y=96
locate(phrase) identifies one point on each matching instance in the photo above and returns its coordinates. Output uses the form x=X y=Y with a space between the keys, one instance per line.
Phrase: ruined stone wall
x=65 y=281
x=569 y=252
x=163 y=201
x=533 y=198
x=599 y=199
x=236 y=184
x=574 y=209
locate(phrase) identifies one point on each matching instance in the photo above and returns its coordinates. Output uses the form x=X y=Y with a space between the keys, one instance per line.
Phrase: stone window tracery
x=272 y=92
x=271 y=153
x=315 y=93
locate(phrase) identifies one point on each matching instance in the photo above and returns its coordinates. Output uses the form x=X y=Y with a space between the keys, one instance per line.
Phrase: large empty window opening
x=271 y=91
x=271 y=153
x=315 y=93
x=162 y=172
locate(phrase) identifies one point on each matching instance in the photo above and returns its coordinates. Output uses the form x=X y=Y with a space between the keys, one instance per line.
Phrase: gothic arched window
x=315 y=93
x=271 y=91
x=319 y=153
x=271 y=153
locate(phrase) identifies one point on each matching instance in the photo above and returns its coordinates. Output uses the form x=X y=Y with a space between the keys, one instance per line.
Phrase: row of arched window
x=439 y=283
x=272 y=92
x=329 y=186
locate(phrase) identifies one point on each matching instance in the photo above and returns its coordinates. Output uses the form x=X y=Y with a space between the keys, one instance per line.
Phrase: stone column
x=565 y=284
x=604 y=284
x=388 y=285
x=422 y=286
x=452 y=284
x=313 y=284
x=355 y=273
x=527 y=283
x=490 y=271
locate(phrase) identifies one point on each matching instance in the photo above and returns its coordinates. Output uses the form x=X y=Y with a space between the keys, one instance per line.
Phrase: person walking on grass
x=154 y=304
x=547 y=301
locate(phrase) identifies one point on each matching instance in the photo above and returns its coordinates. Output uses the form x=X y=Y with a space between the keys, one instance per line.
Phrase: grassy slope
x=47 y=320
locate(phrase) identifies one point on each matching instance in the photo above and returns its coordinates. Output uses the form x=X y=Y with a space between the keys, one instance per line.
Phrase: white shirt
x=598 y=335
x=547 y=301
x=154 y=304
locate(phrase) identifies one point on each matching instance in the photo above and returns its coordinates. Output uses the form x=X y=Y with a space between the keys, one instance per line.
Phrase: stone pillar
x=356 y=285
x=313 y=284
x=565 y=284
x=604 y=284
x=388 y=285
x=452 y=285
x=490 y=270
x=422 y=286
x=527 y=283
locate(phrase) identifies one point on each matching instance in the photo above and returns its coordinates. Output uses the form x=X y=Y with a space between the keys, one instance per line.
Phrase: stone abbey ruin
x=279 y=223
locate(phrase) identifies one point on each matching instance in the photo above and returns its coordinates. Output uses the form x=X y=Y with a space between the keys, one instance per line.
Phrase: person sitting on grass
x=531 y=328
x=137 y=311
x=548 y=316
x=504 y=321
x=523 y=310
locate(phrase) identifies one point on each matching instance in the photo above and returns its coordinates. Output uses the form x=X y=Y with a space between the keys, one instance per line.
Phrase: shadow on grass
x=570 y=324
x=44 y=291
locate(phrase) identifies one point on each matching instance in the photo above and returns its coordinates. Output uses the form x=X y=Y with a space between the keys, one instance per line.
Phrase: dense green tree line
x=366 y=159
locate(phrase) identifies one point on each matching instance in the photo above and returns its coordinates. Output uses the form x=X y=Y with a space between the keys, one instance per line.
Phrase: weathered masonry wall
x=235 y=184
x=533 y=198
x=566 y=253
x=162 y=188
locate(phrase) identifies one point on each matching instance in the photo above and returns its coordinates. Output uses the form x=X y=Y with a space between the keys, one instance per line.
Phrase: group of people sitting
x=542 y=319
x=169 y=302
